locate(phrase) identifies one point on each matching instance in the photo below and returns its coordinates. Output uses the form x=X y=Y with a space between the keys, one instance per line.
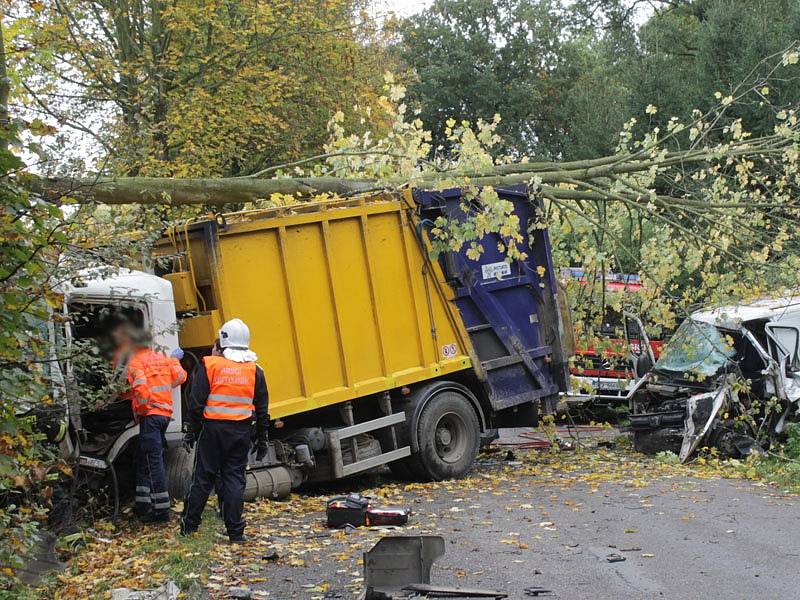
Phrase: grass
x=185 y=563
x=783 y=472
x=158 y=555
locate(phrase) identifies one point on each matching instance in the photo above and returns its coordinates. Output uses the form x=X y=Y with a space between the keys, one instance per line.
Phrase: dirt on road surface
x=547 y=520
x=539 y=518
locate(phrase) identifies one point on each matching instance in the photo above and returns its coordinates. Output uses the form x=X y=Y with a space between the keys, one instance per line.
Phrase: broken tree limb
x=593 y=175
x=164 y=190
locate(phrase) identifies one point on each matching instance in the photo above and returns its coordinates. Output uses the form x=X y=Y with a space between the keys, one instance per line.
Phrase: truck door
x=784 y=342
x=641 y=351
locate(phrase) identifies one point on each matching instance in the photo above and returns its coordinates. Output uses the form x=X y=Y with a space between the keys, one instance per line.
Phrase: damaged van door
x=730 y=383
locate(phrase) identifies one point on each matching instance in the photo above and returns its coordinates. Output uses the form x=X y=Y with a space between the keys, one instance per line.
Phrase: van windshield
x=696 y=348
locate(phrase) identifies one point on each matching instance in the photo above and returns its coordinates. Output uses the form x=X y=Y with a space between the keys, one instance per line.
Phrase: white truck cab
x=90 y=301
x=722 y=363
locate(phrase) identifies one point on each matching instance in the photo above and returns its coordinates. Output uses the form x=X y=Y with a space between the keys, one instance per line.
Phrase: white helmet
x=234 y=334
x=234 y=339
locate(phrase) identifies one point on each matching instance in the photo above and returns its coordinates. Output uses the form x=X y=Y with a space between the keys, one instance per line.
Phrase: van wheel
x=449 y=436
x=180 y=466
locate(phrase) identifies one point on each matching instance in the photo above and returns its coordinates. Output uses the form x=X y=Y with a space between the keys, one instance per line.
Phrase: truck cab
x=101 y=430
x=728 y=378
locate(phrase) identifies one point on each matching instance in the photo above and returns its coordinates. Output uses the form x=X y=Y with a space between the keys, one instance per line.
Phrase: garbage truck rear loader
x=375 y=352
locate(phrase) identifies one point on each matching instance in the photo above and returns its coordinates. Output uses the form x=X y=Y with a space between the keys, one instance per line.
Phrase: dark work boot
x=187 y=531
x=238 y=539
x=155 y=518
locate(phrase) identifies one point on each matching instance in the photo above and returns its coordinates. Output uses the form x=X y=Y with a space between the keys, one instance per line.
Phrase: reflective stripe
x=139 y=381
x=226 y=398
x=143 y=499
x=177 y=382
x=158 y=505
x=227 y=410
x=161 y=495
x=143 y=488
x=160 y=405
x=161 y=388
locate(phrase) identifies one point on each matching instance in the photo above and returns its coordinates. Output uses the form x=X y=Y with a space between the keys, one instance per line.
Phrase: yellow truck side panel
x=341 y=302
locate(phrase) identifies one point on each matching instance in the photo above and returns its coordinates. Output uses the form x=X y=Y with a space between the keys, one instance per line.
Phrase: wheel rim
x=451 y=437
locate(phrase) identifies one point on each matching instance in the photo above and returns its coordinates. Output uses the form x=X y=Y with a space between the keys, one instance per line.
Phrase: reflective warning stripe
x=159 y=505
x=143 y=488
x=161 y=495
x=226 y=398
x=160 y=405
x=177 y=382
x=139 y=381
x=161 y=388
x=143 y=499
x=227 y=410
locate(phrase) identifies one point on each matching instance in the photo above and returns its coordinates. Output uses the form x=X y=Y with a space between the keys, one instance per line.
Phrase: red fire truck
x=611 y=356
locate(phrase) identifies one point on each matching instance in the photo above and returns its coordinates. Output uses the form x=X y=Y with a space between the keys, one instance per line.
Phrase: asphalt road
x=682 y=537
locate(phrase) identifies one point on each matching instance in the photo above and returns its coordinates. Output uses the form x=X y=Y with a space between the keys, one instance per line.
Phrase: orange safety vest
x=152 y=376
x=231 y=389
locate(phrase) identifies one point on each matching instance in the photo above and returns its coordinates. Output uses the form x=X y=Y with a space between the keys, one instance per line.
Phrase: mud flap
x=701 y=412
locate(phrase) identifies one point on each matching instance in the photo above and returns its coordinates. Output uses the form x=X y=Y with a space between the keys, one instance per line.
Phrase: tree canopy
x=186 y=88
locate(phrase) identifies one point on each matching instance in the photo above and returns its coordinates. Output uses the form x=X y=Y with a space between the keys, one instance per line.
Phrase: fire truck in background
x=610 y=358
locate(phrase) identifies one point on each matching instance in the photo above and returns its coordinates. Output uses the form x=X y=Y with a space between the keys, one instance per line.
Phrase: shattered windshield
x=696 y=348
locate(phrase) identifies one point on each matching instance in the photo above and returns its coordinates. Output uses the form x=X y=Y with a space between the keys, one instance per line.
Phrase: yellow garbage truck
x=376 y=351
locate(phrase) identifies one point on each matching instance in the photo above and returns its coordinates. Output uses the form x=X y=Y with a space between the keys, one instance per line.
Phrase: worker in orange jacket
x=229 y=394
x=152 y=377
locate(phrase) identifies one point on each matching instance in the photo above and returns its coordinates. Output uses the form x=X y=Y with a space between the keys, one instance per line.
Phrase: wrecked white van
x=728 y=378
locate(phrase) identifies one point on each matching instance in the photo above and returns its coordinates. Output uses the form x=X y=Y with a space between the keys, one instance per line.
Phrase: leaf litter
x=290 y=536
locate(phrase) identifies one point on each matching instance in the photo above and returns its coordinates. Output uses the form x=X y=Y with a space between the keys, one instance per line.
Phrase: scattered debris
x=538 y=591
x=614 y=557
x=403 y=563
x=397 y=561
x=168 y=591
x=436 y=591
x=240 y=593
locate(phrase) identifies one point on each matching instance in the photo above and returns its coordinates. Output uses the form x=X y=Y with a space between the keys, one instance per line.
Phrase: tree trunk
x=5 y=89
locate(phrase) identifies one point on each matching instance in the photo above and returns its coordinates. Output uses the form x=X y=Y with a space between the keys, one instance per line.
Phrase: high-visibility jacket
x=152 y=375
x=231 y=389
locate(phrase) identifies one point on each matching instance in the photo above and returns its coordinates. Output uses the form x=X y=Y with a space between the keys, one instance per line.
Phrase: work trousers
x=151 y=467
x=222 y=452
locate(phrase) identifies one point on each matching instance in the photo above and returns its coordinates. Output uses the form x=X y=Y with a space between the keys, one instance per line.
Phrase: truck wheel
x=449 y=435
x=180 y=466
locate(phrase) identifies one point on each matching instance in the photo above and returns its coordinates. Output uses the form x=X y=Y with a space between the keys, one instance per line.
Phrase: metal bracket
x=335 y=437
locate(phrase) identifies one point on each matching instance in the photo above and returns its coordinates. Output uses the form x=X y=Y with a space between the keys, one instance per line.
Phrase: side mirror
x=643 y=364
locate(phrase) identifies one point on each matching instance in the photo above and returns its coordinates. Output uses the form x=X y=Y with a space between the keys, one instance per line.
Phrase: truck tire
x=180 y=466
x=449 y=436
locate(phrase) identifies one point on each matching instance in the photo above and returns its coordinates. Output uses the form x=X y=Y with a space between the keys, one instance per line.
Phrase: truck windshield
x=697 y=349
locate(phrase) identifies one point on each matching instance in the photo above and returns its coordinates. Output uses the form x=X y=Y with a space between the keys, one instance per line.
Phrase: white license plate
x=609 y=384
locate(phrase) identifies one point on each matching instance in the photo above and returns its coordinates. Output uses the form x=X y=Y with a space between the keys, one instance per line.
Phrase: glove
x=189 y=440
x=177 y=353
x=262 y=447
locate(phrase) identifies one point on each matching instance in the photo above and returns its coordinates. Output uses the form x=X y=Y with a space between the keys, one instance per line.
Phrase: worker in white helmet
x=228 y=394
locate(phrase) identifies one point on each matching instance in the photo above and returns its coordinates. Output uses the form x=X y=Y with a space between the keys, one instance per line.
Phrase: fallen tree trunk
x=592 y=175
x=165 y=190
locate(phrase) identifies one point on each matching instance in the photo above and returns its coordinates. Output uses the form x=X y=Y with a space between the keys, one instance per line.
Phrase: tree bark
x=5 y=89
x=589 y=180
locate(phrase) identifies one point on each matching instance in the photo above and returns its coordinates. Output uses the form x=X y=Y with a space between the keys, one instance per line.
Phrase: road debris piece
x=614 y=557
x=168 y=591
x=401 y=565
x=397 y=561
x=538 y=591
x=440 y=591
